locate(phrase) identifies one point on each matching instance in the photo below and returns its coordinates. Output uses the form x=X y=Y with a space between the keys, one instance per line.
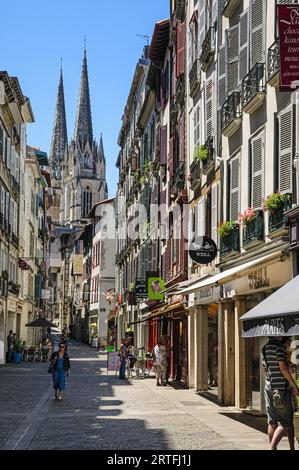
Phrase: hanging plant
x=200 y=153
x=276 y=201
x=227 y=228
x=247 y=217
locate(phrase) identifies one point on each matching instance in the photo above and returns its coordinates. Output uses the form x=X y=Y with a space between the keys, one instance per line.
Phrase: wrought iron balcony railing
x=273 y=64
x=209 y=164
x=230 y=244
x=253 y=232
x=180 y=89
x=195 y=175
x=194 y=78
x=15 y=240
x=13 y=288
x=208 y=49
x=231 y=115
x=15 y=185
x=253 y=89
x=278 y=222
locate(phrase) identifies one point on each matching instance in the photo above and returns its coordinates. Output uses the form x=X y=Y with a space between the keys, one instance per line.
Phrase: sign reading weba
x=203 y=250
x=288 y=29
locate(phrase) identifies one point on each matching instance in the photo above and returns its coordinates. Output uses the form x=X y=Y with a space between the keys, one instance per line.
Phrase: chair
x=31 y=354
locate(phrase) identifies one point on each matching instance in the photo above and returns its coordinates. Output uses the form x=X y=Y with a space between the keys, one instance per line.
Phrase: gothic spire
x=101 y=152
x=59 y=137
x=83 y=128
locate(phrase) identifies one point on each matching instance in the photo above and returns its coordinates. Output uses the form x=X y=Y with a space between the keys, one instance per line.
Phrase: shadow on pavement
x=259 y=423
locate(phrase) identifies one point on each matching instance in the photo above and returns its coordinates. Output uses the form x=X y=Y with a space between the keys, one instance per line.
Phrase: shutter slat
x=257 y=33
x=285 y=157
x=235 y=188
x=163 y=145
x=180 y=53
x=209 y=108
x=214 y=212
x=257 y=169
x=202 y=24
x=232 y=58
x=222 y=76
x=244 y=45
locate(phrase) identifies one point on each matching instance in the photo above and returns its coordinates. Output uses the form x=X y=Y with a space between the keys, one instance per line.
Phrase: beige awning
x=232 y=273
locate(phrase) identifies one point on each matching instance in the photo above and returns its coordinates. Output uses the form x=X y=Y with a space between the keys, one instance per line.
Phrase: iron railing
x=254 y=231
x=230 y=110
x=277 y=218
x=194 y=78
x=273 y=60
x=253 y=83
x=208 y=48
x=231 y=243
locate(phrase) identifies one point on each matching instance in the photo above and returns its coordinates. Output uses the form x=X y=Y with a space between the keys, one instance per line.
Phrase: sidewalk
x=102 y=412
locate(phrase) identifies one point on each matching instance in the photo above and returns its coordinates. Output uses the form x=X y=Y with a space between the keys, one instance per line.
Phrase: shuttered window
x=214 y=212
x=222 y=76
x=257 y=151
x=163 y=145
x=232 y=58
x=234 y=185
x=8 y=152
x=285 y=149
x=180 y=53
x=257 y=31
x=209 y=108
x=202 y=24
x=201 y=218
x=170 y=156
x=1 y=143
x=182 y=138
x=244 y=45
x=197 y=127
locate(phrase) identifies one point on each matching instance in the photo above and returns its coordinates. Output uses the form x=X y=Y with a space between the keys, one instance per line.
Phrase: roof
x=230 y=274
x=283 y=302
x=92 y=212
x=160 y=41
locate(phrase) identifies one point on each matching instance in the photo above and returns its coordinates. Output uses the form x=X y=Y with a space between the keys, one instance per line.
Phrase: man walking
x=280 y=391
x=123 y=358
x=160 y=363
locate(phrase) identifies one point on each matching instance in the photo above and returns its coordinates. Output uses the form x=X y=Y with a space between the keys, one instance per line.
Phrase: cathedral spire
x=59 y=137
x=101 y=152
x=83 y=128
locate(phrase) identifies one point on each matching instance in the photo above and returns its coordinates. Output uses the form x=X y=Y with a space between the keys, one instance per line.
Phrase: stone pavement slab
x=102 y=412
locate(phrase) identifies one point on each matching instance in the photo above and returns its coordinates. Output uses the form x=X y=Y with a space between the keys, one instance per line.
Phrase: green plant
x=200 y=153
x=276 y=201
x=247 y=216
x=17 y=348
x=132 y=287
x=5 y=275
x=226 y=228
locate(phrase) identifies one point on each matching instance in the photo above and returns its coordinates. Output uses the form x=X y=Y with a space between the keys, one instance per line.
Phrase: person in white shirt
x=160 y=363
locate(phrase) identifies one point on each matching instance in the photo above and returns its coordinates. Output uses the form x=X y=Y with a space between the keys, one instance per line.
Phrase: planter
x=253 y=232
x=230 y=244
x=18 y=358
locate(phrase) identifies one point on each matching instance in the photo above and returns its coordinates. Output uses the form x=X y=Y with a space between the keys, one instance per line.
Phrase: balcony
x=273 y=65
x=229 y=7
x=195 y=175
x=180 y=9
x=254 y=89
x=177 y=182
x=230 y=245
x=208 y=49
x=231 y=115
x=278 y=222
x=15 y=185
x=194 y=78
x=253 y=232
x=208 y=164
x=15 y=240
x=13 y=288
x=180 y=90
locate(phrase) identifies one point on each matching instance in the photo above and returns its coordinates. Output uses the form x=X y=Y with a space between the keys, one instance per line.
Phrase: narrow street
x=101 y=412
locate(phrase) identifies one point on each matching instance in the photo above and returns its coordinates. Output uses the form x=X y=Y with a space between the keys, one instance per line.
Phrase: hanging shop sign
x=78 y=265
x=155 y=286
x=23 y=265
x=288 y=31
x=140 y=289
x=203 y=250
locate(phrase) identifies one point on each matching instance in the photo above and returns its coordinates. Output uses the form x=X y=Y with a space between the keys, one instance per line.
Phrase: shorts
x=284 y=416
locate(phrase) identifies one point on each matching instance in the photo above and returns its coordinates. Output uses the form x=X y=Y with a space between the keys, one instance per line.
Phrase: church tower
x=85 y=172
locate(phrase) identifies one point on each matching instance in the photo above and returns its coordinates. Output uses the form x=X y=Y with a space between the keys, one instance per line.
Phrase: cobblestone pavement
x=102 y=412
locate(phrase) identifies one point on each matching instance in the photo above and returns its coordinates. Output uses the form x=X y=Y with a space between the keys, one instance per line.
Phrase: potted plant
x=247 y=217
x=203 y=153
x=276 y=201
x=17 y=349
x=227 y=228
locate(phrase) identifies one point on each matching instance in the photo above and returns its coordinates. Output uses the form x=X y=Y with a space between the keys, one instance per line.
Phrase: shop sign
x=154 y=287
x=288 y=30
x=203 y=250
x=258 y=279
x=78 y=265
x=23 y=265
x=140 y=289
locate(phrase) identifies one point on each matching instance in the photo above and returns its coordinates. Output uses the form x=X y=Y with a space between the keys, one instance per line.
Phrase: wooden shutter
x=257 y=31
x=170 y=157
x=257 y=171
x=190 y=48
x=232 y=58
x=180 y=53
x=8 y=154
x=182 y=138
x=1 y=143
x=235 y=188
x=209 y=108
x=202 y=24
x=162 y=89
x=222 y=76
x=163 y=145
x=285 y=150
x=214 y=212
x=244 y=45
x=201 y=218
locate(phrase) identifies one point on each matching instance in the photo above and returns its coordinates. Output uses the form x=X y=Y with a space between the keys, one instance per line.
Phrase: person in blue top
x=123 y=358
x=60 y=363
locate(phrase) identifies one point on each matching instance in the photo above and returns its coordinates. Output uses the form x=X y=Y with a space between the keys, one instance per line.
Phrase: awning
x=167 y=308
x=278 y=315
x=230 y=274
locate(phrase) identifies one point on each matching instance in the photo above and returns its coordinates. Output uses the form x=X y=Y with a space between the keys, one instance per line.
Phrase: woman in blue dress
x=60 y=363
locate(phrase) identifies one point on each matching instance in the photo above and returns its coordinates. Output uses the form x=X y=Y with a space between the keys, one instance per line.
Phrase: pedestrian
x=10 y=343
x=167 y=344
x=280 y=392
x=160 y=362
x=60 y=365
x=123 y=359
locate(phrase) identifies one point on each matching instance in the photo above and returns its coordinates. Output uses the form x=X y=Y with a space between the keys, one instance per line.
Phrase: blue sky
x=34 y=34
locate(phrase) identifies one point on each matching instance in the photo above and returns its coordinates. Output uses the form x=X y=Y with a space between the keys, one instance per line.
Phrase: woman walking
x=60 y=363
